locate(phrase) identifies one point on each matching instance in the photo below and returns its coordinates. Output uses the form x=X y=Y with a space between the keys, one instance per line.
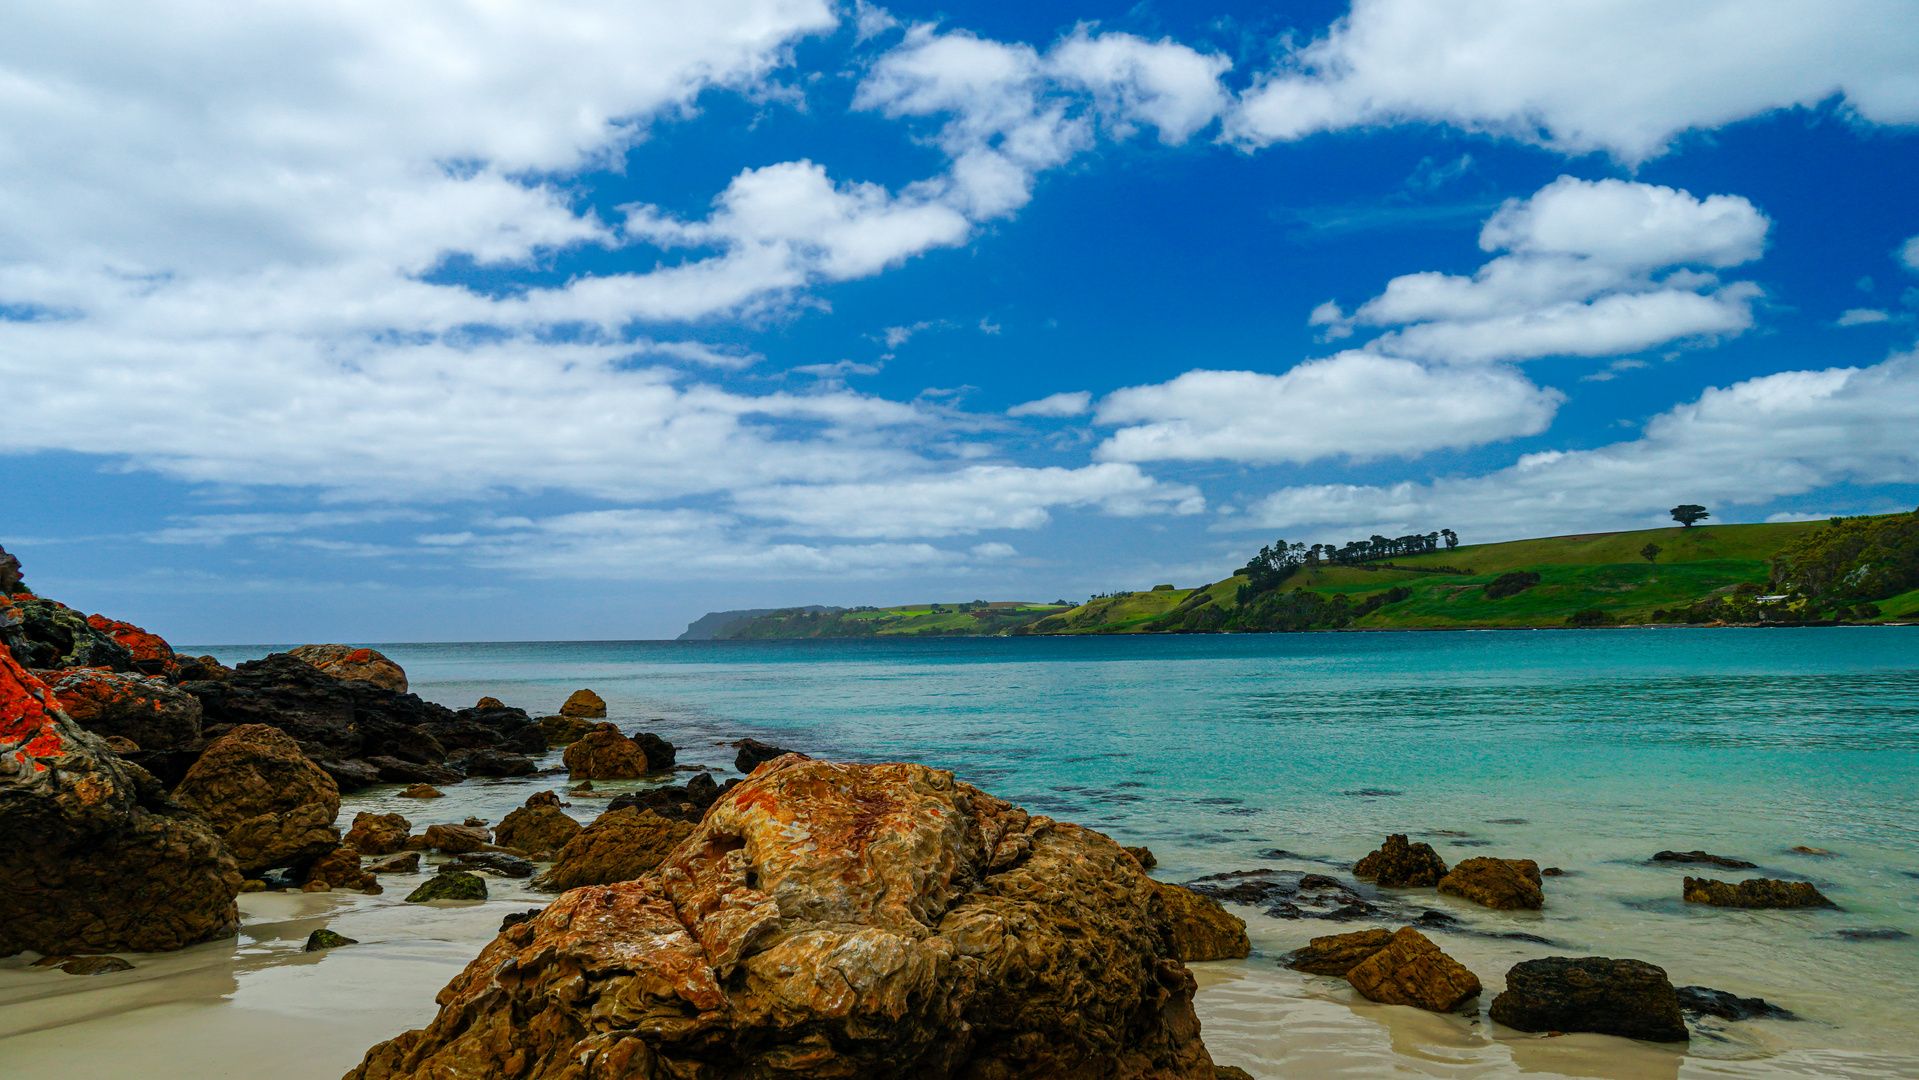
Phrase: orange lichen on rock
x=150 y=651
x=27 y=711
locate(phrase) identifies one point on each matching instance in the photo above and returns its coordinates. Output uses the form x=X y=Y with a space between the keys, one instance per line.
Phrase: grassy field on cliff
x=970 y=619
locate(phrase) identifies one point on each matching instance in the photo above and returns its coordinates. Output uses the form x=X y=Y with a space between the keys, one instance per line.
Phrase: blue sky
x=580 y=319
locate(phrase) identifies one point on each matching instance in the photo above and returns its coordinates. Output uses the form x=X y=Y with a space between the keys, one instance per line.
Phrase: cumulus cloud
x=1745 y=444
x=1862 y=317
x=1068 y=403
x=1355 y=403
x=1588 y=76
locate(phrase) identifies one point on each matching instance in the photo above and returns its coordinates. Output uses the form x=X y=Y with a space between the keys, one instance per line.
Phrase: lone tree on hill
x=1688 y=513
x=1650 y=553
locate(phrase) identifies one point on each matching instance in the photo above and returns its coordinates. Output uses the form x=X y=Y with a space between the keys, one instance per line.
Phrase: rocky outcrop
x=605 y=754
x=584 y=703
x=378 y=834
x=1399 y=864
x=1501 y=884
x=684 y=803
x=1756 y=893
x=562 y=730
x=56 y=636
x=495 y=728
x=1410 y=970
x=1335 y=954
x=271 y=805
x=348 y=662
x=328 y=717
x=340 y=869
x=754 y=753
x=151 y=653
x=872 y=921
x=1703 y=857
x=537 y=827
x=97 y=857
x=492 y=862
x=620 y=845
x=1591 y=993
x=146 y=710
x=422 y=791
x=1202 y=928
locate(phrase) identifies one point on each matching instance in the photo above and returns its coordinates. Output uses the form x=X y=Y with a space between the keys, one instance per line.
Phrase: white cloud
x=1355 y=403
x=1862 y=317
x=1793 y=515
x=1745 y=444
x=1068 y=403
x=213 y=529
x=1159 y=83
x=1607 y=326
x=1626 y=224
x=1623 y=76
x=1909 y=253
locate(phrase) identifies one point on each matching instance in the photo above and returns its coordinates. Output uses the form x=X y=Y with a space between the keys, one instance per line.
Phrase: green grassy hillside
x=909 y=620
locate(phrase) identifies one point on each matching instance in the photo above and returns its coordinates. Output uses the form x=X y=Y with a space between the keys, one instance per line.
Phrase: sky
x=502 y=320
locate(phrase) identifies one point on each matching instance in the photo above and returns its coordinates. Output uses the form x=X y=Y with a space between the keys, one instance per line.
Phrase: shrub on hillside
x=1511 y=584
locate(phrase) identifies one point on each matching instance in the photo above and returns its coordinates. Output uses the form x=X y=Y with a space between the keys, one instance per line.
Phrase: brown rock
x=422 y=791
x=456 y=839
x=1502 y=884
x=1756 y=893
x=146 y=710
x=407 y=862
x=489 y=703
x=271 y=805
x=1402 y=865
x=564 y=730
x=340 y=869
x=754 y=753
x=85 y=965
x=830 y=920
x=584 y=703
x=537 y=827
x=605 y=754
x=1411 y=970
x=378 y=834
x=1144 y=856
x=1231 y=1072
x=620 y=845
x=1630 y=998
x=1202 y=928
x=122 y=746
x=541 y=798
x=1335 y=954
x=348 y=662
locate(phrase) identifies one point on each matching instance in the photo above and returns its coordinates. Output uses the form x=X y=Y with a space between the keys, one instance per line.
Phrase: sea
x=1796 y=749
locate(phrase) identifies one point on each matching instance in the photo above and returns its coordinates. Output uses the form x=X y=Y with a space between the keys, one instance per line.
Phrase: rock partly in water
x=1703 y=857
x=378 y=834
x=455 y=886
x=271 y=805
x=97 y=858
x=393 y=770
x=323 y=939
x=1591 y=993
x=500 y=728
x=1399 y=864
x=1501 y=884
x=349 y=662
x=1335 y=954
x=1231 y=1072
x=457 y=839
x=1705 y=1001
x=144 y=709
x=605 y=754
x=422 y=791
x=660 y=754
x=406 y=862
x=536 y=827
x=871 y=921
x=1756 y=893
x=686 y=802
x=620 y=846
x=489 y=703
x=85 y=965
x=1143 y=856
x=340 y=869
x=493 y=862
x=329 y=717
x=584 y=703
x=1411 y=970
x=754 y=753
x=497 y=763
x=564 y=730
x=1202 y=928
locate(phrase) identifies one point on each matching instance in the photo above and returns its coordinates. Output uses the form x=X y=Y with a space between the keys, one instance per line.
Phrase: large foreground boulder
x=832 y=920
x=350 y=662
x=97 y=859
x=621 y=845
x=146 y=710
x=1411 y=970
x=1591 y=993
x=272 y=805
x=1399 y=864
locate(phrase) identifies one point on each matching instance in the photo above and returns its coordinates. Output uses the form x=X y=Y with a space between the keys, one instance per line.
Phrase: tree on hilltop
x=1688 y=513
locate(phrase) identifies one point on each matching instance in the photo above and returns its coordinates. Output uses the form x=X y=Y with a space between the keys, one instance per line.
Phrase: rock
x=660 y=754
x=1755 y=893
x=562 y=730
x=1877 y=933
x=499 y=728
x=834 y=920
x=542 y=798
x=493 y=862
x=271 y=805
x=121 y=746
x=93 y=965
x=496 y=763
x=1703 y=857
x=455 y=886
x=340 y=869
x=1551 y=871
x=151 y=654
x=686 y=803
x=456 y=839
x=1231 y=1072
x=406 y=862
x=1402 y=865
x=1202 y=928
x=316 y=885
x=330 y=717
x=323 y=939
x=1591 y=993
x=378 y=834
x=253 y=885
x=1501 y=884
x=422 y=791
x=1705 y=1001
x=1411 y=970
x=148 y=711
x=1817 y=852
x=97 y=857
x=536 y=827
x=620 y=846
x=1143 y=856
x=394 y=771
x=584 y=703
x=1335 y=954
x=56 y=636
x=489 y=703
x=605 y=754
x=350 y=774
x=519 y=917
x=754 y=753
x=203 y=669
x=347 y=662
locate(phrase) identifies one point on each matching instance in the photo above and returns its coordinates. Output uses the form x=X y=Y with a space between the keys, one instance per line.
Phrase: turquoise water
x=1215 y=750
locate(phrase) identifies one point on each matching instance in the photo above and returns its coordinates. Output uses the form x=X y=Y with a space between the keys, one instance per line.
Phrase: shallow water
x=1604 y=746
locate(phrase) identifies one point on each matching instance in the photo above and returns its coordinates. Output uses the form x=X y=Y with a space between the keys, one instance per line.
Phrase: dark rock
x=456 y=839
x=620 y=845
x=342 y=719
x=147 y=710
x=660 y=754
x=496 y=763
x=270 y=804
x=1373 y=793
x=1703 y=857
x=456 y=886
x=754 y=753
x=1755 y=893
x=350 y=774
x=1400 y=865
x=687 y=803
x=1335 y=954
x=340 y=869
x=406 y=862
x=1202 y=929
x=378 y=834
x=494 y=862
x=519 y=917
x=1591 y=993
x=1231 y=1072
x=605 y=754
x=498 y=728
x=322 y=939
x=1704 y=1001
x=169 y=767
x=1144 y=856
x=564 y=730
x=201 y=669
x=88 y=965
x=394 y=771
x=1551 y=871
x=1882 y=933
x=1815 y=852
x=347 y=663
x=1411 y=970
x=1501 y=884
x=586 y=704
x=57 y=636
x=537 y=827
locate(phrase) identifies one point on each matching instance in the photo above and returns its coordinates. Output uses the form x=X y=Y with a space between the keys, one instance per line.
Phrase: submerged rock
x=348 y=662
x=323 y=939
x=1501 y=884
x=874 y=921
x=605 y=754
x=422 y=791
x=1756 y=893
x=85 y=965
x=1704 y=857
x=1705 y=1001
x=378 y=834
x=1591 y=993
x=1401 y=865
x=584 y=703
x=620 y=845
x=497 y=763
x=1411 y=970
x=1335 y=954
x=455 y=886
x=271 y=805
x=1202 y=929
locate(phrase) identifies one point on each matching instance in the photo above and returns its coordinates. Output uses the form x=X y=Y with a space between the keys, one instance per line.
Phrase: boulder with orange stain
x=97 y=859
x=149 y=711
x=151 y=653
x=56 y=636
x=354 y=662
x=873 y=921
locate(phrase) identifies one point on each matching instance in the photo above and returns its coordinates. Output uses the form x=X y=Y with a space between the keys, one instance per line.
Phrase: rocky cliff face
x=873 y=921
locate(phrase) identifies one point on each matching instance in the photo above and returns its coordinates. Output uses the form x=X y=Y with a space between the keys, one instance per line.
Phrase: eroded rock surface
x=56 y=636
x=378 y=834
x=564 y=730
x=271 y=805
x=1202 y=928
x=621 y=845
x=1335 y=954
x=686 y=802
x=1591 y=993
x=584 y=703
x=537 y=826
x=605 y=754
x=144 y=709
x=1411 y=970
x=826 y=920
x=1502 y=884
x=1756 y=893
x=349 y=662
x=457 y=839
x=1399 y=864
x=340 y=869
